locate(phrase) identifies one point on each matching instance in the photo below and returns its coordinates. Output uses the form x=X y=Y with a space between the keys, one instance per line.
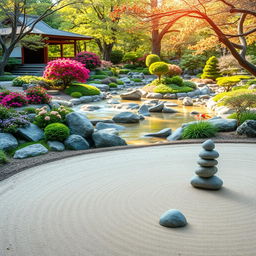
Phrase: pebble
x=173 y=219
x=212 y=183
x=208 y=145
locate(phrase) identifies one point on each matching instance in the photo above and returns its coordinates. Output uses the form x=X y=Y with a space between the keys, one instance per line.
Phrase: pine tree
x=211 y=69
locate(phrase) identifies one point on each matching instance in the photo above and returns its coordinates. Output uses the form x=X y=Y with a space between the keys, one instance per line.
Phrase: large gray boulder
x=31 y=132
x=157 y=108
x=224 y=125
x=56 y=145
x=7 y=141
x=132 y=95
x=29 y=151
x=76 y=142
x=126 y=117
x=176 y=135
x=79 y=124
x=143 y=110
x=101 y=126
x=247 y=128
x=161 y=134
x=103 y=138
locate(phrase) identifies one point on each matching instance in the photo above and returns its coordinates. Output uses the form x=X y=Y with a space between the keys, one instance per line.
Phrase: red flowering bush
x=66 y=71
x=37 y=95
x=174 y=70
x=13 y=99
x=89 y=59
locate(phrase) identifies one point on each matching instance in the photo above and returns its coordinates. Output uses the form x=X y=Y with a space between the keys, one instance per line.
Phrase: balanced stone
x=173 y=219
x=206 y=172
x=206 y=154
x=212 y=183
x=207 y=163
x=208 y=145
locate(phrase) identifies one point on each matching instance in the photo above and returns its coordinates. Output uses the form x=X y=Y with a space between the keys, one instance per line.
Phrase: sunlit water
x=135 y=133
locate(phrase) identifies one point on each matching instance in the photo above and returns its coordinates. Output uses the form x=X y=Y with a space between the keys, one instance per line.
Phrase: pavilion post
x=61 y=50
x=75 y=48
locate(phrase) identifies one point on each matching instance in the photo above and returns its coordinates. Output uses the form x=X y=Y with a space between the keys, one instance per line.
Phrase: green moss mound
x=171 y=88
x=84 y=89
x=56 y=131
x=112 y=85
x=76 y=94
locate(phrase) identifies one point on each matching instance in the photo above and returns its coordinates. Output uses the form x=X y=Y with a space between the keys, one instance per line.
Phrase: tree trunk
x=4 y=61
x=156 y=43
x=107 y=50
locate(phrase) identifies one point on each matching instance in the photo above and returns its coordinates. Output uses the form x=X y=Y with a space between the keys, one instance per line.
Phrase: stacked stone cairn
x=207 y=169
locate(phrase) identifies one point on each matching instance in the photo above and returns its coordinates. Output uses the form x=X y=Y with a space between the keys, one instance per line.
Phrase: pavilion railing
x=56 y=58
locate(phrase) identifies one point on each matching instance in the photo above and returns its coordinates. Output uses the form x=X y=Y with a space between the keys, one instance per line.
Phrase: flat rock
x=63 y=102
x=187 y=101
x=7 y=141
x=56 y=145
x=224 y=125
x=113 y=101
x=76 y=142
x=31 y=132
x=176 y=135
x=206 y=154
x=86 y=99
x=143 y=110
x=212 y=183
x=173 y=219
x=79 y=124
x=208 y=145
x=161 y=134
x=105 y=139
x=169 y=110
x=153 y=95
x=29 y=151
x=170 y=96
x=132 y=95
x=126 y=117
x=90 y=107
x=157 y=108
x=101 y=126
x=247 y=128
x=207 y=163
x=206 y=172
x=95 y=121
x=170 y=104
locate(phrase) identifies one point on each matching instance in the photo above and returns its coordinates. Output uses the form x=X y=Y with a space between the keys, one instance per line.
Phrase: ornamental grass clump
x=56 y=131
x=66 y=71
x=244 y=116
x=37 y=95
x=89 y=59
x=3 y=157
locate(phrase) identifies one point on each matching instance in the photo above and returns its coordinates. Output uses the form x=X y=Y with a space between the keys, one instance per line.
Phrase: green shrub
x=201 y=129
x=189 y=84
x=136 y=80
x=112 y=85
x=228 y=82
x=119 y=82
x=116 y=56
x=152 y=58
x=56 y=131
x=248 y=115
x=124 y=71
x=3 y=157
x=84 y=89
x=130 y=57
x=20 y=80
x=171 y=88
x=221 y=95
x=7 y=78
x=211 y=69
x=29 y=110
x=98 y=77
x=101 y=72
x=145 y=71
x=191 y=61
x=76 y=94
x=174 y=80
x=95 y=82
x=159 y=69
x=131 y=66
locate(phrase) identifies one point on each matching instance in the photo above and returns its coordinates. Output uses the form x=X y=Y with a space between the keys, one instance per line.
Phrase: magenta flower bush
x=13 y=99
x=89 y=59
x=37 y=95
x=66 y=71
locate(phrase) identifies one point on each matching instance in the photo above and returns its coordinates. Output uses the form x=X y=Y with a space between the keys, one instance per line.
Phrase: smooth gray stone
x=89 y=107
x=106 y=139
x=126 y=117
x=101 y=126
x=206 y=172
x=76 y=101
x=157 y=108
x=161 y=134
x=169 y=110
x=207 y=163
x=86 y=99
x=176 y=135
x=95 y=121
x=29 y=151
x=212 y=183
x=143 y=110
x=208 y=145
x=187 y=101
x=224 y=125
x=181 y=94
x=62 y=102
x=79 y=124
x=76 y=142
x=109 y=130
x=173 y=219
x=127 y=106
x=31 y=132
x=247 y=128
x=132 y=95
x=154 y=95
x=56 y=145
x=7 y=141
x=170 y=96
x=206 y=154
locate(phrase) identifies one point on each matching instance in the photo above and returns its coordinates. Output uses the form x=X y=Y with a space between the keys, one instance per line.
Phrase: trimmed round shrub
x=20 y=80
x=112 y=85
x=66 y=71
x=76 y=94
x=84 y=89
x=37 y=95
x=211 y=69
x=14 y=99
x=89 y=59
x=152 y=58
x=116 y=56
x=56 y=131
x=174 y=70
x=159 y=69
x=199 y=130
x=189 y=84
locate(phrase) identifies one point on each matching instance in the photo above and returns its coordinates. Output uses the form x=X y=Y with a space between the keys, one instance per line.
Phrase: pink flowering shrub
x=12 y=99
x=66 y=71
x=37 y=95
x=106 y=64
x=89 y=59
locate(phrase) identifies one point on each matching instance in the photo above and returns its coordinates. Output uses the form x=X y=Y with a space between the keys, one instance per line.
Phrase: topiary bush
x=116 y=56
x=174 y=70
x=3 y=157
x=244 y=116
x=37 y=95
x=200 y=129
x=66 y=71
x=56 y=131
x=89 y=59
x=211 y=69
x=159 y=69
x=76 y=94
x=152 y=58
x=84 y=89
x=228 y=82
